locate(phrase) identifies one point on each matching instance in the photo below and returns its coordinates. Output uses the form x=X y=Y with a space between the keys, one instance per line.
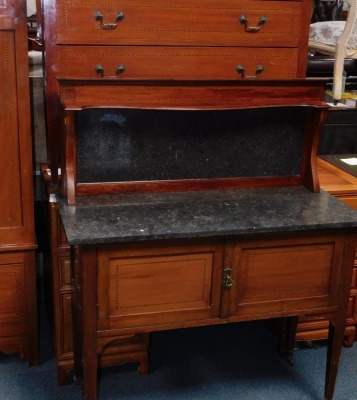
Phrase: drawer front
x=202 y=22
x=147 y=62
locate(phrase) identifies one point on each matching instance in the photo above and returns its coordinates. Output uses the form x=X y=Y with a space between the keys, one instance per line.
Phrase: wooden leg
x=90 y=378
x=77 y=344
x=350 y=335
x=335 y=342
x=88 y=258
x=337 y=323
x=287 y=334
x=31 y=350
x=290 y=342
x=143 y=365
x=77 y=324
x=85 y=323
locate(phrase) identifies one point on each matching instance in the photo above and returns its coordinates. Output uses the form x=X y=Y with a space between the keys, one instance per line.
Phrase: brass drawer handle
x=120 y=69
x=241 y=69
x=99 y=69
x=109 y=26
x=227 y=279
x=244 y=21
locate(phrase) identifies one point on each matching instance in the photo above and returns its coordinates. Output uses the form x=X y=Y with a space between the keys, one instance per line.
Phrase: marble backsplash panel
x=119 y=145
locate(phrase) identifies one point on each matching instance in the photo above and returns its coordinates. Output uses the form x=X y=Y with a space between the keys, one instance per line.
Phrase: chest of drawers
x=113 y=43
x=186 y=40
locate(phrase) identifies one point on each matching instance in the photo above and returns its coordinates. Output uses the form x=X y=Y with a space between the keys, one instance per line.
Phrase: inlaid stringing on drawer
x=230 y=23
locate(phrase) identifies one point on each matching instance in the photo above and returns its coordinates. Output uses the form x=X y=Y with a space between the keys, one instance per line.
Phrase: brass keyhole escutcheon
x=227 y=278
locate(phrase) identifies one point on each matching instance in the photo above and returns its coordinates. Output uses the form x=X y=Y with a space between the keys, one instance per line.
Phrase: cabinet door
x=18 y=325
x=285 y=276
x=12 y=289
x=16 y=201
x=18 y=311
x=148 y=285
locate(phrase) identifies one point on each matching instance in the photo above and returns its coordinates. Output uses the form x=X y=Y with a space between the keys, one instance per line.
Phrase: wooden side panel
x=57 y=235
x=130 y=348
x=344 y=186
x=314 y=123
x=158 y=285
x=10 y=210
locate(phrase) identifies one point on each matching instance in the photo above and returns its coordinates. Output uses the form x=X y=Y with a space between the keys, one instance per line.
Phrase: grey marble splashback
x=118 y=145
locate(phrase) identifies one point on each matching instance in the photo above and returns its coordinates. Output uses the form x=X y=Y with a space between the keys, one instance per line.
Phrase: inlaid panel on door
x=266 y=280
x=150 y=285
